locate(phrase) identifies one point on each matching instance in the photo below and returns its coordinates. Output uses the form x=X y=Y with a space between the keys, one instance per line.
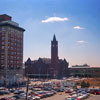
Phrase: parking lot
x=48 y=91
x=62 y=97
x=93 y=97
x=58 y=96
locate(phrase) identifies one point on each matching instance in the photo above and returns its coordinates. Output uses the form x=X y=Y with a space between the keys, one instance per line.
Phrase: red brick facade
x=54 y=55
x=11 y=43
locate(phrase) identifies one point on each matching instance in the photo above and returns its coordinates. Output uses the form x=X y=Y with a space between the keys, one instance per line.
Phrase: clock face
x=54 y=45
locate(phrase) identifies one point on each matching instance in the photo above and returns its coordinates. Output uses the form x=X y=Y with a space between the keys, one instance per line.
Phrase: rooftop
x=6 y=20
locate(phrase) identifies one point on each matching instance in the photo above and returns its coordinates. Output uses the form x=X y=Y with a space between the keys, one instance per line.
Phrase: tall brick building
x=54 y=67
x=11 y=49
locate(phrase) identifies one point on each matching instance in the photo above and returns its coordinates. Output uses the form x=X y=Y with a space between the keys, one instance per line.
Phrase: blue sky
x=76 y=24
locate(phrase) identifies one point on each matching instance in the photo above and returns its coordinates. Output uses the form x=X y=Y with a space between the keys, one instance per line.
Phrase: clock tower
x=54 y=55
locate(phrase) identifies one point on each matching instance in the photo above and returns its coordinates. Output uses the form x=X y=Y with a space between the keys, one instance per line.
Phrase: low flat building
x=84 y=71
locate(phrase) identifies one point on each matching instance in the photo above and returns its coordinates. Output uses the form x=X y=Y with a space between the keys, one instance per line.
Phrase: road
x=58 y=96
x=93 y=97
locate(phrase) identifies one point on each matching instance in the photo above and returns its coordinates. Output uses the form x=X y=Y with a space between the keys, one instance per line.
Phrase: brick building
x=56 y=67
x=11 y=49
x=44 y=67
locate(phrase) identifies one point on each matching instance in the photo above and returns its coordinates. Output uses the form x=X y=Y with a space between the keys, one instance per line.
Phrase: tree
x=85 y=84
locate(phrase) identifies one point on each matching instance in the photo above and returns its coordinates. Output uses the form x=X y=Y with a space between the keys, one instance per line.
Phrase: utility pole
x=27 y=87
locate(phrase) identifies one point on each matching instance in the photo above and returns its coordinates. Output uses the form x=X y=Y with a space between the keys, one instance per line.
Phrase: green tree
x=84 y=84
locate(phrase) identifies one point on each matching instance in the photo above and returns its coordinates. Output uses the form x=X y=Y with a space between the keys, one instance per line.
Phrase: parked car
x=11 y=98
x=93 y=91
x=33 y=98
x=18 y=96
x=18 y=92
x=1 y=92
x=6 y=92
x=71 y=98
x=3 y=99
x=68 y=90
x=12 y=90
x=97 y=92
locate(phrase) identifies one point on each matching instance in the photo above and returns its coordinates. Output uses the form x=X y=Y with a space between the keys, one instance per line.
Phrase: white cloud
x=78 y=27
x=54 y=19
x=81 y=42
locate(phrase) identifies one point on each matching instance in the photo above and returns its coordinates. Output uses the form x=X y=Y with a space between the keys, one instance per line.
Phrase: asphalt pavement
x=93 y=97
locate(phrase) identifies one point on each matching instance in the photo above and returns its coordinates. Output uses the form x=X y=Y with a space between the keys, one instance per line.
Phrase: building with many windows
x=84 y=71
x=11 y=49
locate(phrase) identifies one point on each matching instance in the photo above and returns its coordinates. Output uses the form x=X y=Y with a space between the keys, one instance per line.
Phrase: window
x=3 y=29
x=12 y=39
x=76 y=71
x=11 y=57
x=8 y=42
x=12 y=34
x=11 y=61
x=12 y=53
x=12 y=44
x=3 y=38
x=3 y=47
x=2 y=57
x=3 y=42
x=12 y=48
x=2 y=51
x=2 y=61
x=3 y=33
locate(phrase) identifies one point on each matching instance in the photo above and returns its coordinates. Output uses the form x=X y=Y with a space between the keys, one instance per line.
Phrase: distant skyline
x=76 y=24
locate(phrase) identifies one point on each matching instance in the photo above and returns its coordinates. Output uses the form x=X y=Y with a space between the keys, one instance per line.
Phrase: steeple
x=54 y=38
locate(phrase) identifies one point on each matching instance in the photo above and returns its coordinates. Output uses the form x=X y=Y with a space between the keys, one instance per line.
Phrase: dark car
x=93 y=91
x=12 y=90
x=18 y=92
x=3 y=99
x=1 y=92
x=6 y=92
x=18 y=96
x=97 y=92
